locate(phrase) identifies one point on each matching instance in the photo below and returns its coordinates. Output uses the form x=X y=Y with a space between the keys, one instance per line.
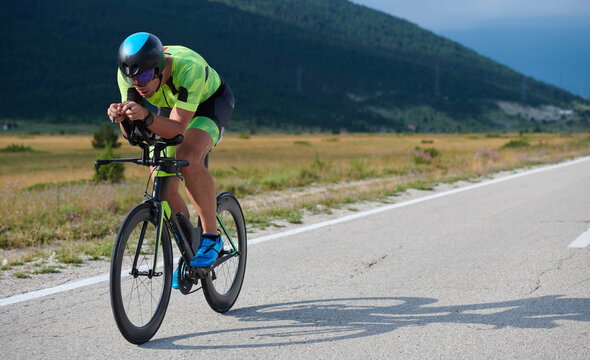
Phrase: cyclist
x=193 y=100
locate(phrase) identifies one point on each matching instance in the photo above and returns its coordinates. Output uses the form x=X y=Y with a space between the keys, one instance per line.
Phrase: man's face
x=148 y=89
x=145 y=83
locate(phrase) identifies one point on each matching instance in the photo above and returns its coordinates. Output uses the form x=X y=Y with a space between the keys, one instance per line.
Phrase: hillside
x=293 y=64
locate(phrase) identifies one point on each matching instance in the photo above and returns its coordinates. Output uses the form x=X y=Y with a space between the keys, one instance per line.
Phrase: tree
x=112 y=172
x=104 y=137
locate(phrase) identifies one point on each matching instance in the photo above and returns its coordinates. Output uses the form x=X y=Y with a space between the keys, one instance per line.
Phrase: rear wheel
x=224 y=282
x=141 y=273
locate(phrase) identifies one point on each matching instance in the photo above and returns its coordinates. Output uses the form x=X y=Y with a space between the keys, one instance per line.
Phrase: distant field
x=47 y=201
x=278 y=161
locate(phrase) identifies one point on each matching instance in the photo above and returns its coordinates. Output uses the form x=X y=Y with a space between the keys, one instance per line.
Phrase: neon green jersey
x=191 y=82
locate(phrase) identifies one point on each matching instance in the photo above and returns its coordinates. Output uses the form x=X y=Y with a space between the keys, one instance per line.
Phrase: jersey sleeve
x=123 y=86
x=191 y=87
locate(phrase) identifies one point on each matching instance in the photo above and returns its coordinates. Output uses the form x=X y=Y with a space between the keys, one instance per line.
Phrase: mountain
x=293 y=65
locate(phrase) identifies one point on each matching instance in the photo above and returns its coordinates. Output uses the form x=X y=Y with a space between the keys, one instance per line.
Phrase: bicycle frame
x=165 y=170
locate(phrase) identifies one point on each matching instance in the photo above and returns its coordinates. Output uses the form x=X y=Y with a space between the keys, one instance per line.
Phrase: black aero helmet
x=140 y=52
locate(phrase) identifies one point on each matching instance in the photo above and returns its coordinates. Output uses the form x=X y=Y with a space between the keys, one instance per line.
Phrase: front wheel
x=141 y=273
x=223 y=283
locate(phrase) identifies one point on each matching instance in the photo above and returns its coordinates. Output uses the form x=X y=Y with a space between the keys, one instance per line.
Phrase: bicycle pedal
x=200 y=273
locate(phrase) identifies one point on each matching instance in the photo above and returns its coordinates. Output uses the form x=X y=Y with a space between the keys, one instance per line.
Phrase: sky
x=544 y=39
x=442 y=15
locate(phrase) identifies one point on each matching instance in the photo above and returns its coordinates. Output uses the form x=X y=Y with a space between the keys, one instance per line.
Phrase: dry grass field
x=273 y=158
x=49 y=205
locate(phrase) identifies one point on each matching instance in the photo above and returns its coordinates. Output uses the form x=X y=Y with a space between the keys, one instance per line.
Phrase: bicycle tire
x=137 y=310
x=222 y=285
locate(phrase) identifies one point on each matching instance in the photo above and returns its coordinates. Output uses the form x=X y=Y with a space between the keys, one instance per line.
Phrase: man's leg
x=175 y=199
x=198 y=181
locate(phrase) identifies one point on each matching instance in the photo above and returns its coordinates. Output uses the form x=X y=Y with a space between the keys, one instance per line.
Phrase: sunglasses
x=142 y=79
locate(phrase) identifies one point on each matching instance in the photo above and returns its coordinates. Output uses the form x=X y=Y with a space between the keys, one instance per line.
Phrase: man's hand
x=128 y=110
x=134 y=111
x=115 y=113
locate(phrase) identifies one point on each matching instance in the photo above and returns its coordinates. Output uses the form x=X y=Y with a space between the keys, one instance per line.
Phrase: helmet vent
x=134 y=69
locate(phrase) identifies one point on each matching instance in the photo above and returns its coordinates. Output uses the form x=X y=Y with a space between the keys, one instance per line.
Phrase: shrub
x=424 y=156
x=112 y=172
x=17 y=148
x=104 y=137
x=331 y=139
x=516 y=143
x=432 y=152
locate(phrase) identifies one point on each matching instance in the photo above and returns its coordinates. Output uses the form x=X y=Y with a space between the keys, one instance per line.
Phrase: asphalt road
x=480 y=274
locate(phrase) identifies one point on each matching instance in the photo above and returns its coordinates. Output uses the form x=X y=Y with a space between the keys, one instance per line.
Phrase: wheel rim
x=142 y=290
x=226 y=273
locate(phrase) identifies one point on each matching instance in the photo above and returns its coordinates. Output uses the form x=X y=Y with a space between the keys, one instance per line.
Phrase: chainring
x=184 y=284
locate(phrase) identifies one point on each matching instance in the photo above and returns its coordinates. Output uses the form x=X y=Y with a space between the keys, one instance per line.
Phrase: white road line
x=582 y=241
x=53 y=290
x=104 y=277
x=414 y=201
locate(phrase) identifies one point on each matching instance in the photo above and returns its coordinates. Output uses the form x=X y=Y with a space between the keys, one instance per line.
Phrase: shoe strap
x=212 y=246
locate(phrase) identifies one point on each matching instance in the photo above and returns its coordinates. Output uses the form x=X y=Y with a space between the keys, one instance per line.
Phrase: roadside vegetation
x=51 y=208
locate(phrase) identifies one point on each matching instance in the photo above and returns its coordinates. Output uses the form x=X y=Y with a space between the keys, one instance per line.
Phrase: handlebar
x=150 y=162
x=139 y=135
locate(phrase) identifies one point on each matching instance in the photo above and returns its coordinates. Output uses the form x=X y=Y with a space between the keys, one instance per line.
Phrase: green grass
x=68 y=255
x=516 y=143
x=20 y=275
x=495 y=136
x=47 y=270
x=80 y=212
x=295 y=217
x=17 y=148
x=101 y=249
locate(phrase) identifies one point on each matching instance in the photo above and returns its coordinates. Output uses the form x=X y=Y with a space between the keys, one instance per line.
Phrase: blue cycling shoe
x=211 y=246
x=175 y=279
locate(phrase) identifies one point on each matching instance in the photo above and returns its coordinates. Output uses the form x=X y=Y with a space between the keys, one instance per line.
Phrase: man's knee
x=197 y=143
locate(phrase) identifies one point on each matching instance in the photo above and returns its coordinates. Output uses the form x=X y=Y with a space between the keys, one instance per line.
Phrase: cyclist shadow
x=316 y=321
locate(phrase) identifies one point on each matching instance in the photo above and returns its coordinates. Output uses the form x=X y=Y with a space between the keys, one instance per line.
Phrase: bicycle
x=142 y=258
